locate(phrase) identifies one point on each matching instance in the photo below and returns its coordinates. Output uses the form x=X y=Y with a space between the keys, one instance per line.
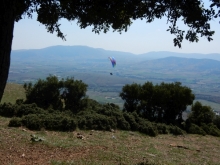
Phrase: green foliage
x=217 y=121
x=175 y=130
x=15 y=122
x=96 y=121
x=45 y=93
x=147 y=127
x=130 y=94
x=86 y=113
x=130 y=118
x=57 y=94
x=57 y=122
x=201 y=114
x=33 y=121
x=25 y=109
x=210 y=129
x=19 y=110
x=75 y=91
x=195 y=129
x=162 y=128
x=7 y=110
x=160 y=103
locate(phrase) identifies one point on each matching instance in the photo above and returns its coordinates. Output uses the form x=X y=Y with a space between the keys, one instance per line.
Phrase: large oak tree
x=103 y=15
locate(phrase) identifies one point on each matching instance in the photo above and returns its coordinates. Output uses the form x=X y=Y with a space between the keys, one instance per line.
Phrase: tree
x=161 y=103
x=165 y=102
x=201 y=114
x=57 y=94
x=147 y=101
x=103 y=15
x=75 y=92
x=45 y=93
x=131 y=93
x=176 y=101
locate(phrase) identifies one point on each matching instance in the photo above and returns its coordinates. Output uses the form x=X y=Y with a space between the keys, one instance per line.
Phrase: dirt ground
x=16 y=148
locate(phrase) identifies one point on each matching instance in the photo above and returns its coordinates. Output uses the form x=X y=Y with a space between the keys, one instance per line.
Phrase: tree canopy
x=119 y=15
x=161 y=102
x=104 y=15
x=57 y=94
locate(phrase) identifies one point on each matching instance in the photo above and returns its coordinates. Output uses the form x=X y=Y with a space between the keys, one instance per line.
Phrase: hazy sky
x=141 y=37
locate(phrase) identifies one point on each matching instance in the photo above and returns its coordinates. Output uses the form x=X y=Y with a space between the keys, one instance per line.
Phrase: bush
x=131 y=120
x=15 y=122
x=214 y=131
x=113 y=112
x=7 y=110
x=33 y=121
x=26 y=109
x=56 y=122
x=96 y=121
x=147 y=128
x=217 y=121
x=175 y=130
x=195 y=129
x=162 y=128
x=59 y=122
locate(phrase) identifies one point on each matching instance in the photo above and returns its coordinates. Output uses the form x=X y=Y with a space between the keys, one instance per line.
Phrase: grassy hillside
x=108 y=148
x=100 y=147
x=13 y=92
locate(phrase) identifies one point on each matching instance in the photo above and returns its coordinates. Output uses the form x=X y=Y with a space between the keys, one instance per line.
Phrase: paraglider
x=113 y=61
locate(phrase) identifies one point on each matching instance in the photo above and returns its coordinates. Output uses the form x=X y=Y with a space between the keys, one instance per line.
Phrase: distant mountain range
x=83 y=56
x=65 y=52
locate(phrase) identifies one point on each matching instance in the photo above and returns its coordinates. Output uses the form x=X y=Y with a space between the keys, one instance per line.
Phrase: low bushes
x=98 y=117
x=56 y=122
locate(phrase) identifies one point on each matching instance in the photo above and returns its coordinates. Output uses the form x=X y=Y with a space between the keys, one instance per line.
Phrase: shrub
x=131 y=120
x=162 y=128
x=7 y=110
x=33 y=121
x=56 y=122
x=147 y=128
x=175 y=130
x=201 y=114
x=96 y=121
x=217 y=121
x=116 y=115
x=195 y=129
x=214 y=131
x=15 y=122
x=26 y=109
x=59 y=122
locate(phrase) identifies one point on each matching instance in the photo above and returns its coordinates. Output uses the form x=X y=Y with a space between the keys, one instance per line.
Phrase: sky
x=141 y=37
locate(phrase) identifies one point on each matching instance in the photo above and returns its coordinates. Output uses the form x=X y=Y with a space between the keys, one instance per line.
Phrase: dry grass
x=98 y=147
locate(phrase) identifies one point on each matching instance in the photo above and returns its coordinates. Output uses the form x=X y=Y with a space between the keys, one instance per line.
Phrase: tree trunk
x=6 y=35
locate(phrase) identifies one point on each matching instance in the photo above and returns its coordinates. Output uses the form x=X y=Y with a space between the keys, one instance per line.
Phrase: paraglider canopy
x=113 y=61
